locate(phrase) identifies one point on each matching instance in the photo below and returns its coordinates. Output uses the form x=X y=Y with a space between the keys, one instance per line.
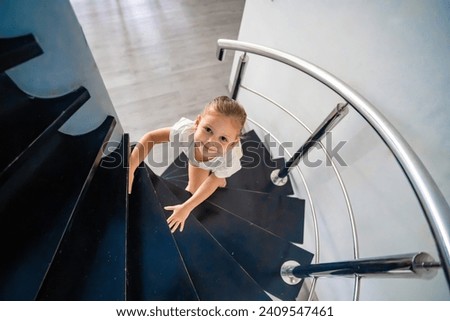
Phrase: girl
x=212 y=144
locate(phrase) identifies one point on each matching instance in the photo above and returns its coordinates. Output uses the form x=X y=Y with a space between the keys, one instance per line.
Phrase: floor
x=157 y=58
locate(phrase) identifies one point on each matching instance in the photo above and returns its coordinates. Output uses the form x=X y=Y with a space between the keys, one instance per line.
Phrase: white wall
x=395 y=54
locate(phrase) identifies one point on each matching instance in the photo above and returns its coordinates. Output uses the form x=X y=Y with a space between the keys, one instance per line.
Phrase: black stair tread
x=254 y=153
x=256 y=179
x=36 y=204
x=278 y=214
x=216 y=276
x=90 y=261
x=155 y=268
x=257 y=166
x=25 y=120
x=16 y=50
x=177 y=168
x=259 y=252
x=255 y=173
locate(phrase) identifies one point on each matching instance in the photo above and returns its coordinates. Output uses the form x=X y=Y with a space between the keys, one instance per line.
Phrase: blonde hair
x=227 y=107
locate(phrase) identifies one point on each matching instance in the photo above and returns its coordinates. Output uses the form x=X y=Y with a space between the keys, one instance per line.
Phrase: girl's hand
x=130 y=181
x=178 y=217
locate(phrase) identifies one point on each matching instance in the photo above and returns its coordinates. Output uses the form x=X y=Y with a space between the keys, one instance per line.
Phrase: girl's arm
x=143 y=147
x=182 y=211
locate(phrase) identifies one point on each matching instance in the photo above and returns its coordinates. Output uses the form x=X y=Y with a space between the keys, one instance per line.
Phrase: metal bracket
x=276 y=180
x=286 y=272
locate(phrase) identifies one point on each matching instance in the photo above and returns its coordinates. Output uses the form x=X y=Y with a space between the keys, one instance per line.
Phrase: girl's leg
x=196 y=177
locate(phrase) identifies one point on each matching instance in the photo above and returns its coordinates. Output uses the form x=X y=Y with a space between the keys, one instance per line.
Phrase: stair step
x=26 y=121
x=215 y=274
x=257 y=165
x=37 y=202
x=155 y=268
x=177 y=168
x=259 y=252
x=14 y=51
x=254 y=175
x=254 y=153
x=278 y=214
x=90 y=261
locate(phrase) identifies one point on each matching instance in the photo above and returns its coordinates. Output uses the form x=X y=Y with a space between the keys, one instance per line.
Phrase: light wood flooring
x=157 y=58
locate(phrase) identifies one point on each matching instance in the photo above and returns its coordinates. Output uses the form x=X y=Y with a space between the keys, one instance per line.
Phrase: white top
x=182 y=139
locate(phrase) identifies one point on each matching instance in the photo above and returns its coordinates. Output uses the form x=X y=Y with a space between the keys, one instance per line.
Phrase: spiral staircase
x=70 y=231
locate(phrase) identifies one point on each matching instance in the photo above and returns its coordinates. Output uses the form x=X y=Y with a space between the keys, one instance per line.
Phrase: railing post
x=243 y=59
x=279 y=176
x=416 y=265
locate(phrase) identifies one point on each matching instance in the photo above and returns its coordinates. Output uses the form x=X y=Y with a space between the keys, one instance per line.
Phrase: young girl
x=212 y=144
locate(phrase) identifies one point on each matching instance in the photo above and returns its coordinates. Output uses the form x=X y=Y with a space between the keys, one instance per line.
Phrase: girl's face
x=215 y=134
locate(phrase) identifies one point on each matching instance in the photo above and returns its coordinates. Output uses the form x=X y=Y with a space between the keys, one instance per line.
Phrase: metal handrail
x=434 y=205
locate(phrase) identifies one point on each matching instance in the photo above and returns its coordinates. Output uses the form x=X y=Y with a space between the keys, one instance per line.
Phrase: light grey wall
x=66 y=63
x=395 y=54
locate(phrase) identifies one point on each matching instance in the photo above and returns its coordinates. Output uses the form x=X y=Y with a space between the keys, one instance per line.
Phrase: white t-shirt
x=182 y=139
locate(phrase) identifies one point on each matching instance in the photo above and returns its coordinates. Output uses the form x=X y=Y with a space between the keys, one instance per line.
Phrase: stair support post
x=279 y=177
x=239 y=75
x=414 y=265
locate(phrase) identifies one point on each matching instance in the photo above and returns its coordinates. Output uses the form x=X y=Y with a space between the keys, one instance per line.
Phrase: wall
x=66 y=63
x=396 y=55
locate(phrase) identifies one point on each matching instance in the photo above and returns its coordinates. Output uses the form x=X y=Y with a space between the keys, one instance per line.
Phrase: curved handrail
x=434 y=205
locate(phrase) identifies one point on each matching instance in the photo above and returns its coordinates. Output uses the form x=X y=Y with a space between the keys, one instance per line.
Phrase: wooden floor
x=157 y=58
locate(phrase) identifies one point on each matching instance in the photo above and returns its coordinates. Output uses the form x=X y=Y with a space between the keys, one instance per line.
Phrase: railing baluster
x=415 y=265
x=279 y=176
x=243 y=59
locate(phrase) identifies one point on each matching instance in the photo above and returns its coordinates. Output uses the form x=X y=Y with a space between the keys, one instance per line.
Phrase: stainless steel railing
x=433 y=203
x=415 y=265
x=331 y=121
